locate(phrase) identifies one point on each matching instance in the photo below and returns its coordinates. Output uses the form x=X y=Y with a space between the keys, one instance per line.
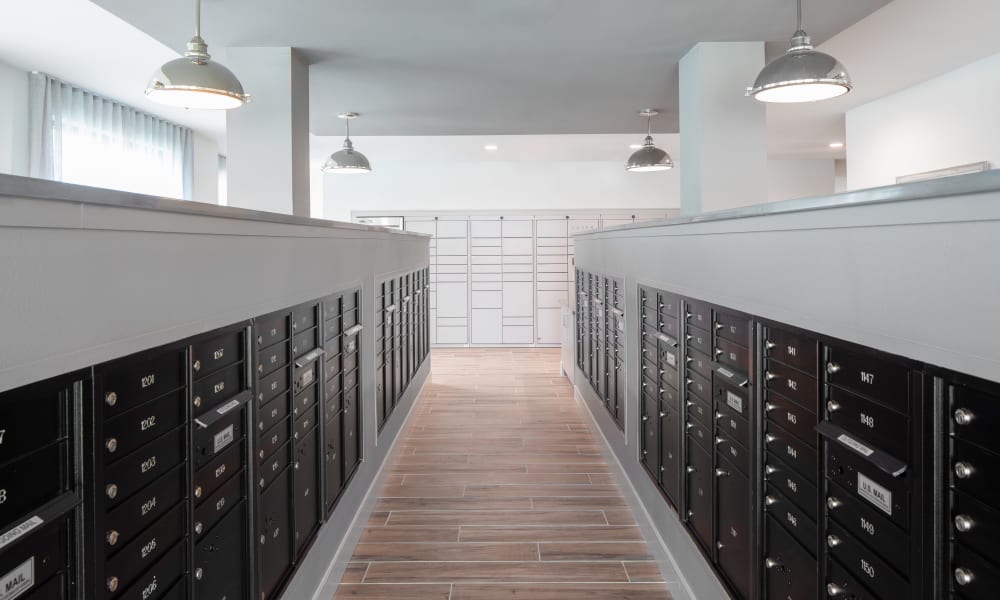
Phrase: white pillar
x=268 y=139
x=723 y=159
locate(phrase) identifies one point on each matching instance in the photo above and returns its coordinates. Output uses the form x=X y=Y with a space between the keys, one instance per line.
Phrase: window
x=89 y=140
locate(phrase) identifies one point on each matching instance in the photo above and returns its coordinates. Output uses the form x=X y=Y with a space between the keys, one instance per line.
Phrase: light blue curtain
x=80 y=137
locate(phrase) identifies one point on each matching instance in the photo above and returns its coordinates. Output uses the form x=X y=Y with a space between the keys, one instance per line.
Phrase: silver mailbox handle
x=353 y=331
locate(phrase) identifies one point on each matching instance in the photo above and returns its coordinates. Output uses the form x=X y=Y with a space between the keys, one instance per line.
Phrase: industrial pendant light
x=801 y=74
x=649 y=158
x=194 y=80
x=348 y=160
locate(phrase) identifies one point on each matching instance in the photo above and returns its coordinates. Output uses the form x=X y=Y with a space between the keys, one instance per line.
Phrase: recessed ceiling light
x=491 y=147
x=836 y=144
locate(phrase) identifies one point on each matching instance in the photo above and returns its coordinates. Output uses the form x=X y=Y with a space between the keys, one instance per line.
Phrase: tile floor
x=499 y=490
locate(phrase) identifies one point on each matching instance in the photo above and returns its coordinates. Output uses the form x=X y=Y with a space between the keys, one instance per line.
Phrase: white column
x=268 y=139
x=723 y=159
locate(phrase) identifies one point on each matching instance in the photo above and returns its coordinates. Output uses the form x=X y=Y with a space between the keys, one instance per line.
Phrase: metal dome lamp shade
x=347 y=161
x=649 y=158
x=195 y=80
x=802 y=74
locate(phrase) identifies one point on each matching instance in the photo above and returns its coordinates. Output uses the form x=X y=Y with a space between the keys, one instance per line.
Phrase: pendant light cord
x=197 y=18
x=649 y=125
x=798 y=22
x=348 y=123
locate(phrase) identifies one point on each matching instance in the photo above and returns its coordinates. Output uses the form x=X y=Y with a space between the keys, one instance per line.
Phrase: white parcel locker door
x=547 y=228
x=452 y=229
x=517 y=299
x=432 y=325
x=452 y=299
x=420 y=226
x=551 y=298
x=485 y=228
x=487 y=299
x=549 y=326
x=518 y=246
x=452 y=247
x=517 y=334
x=486 y=326
x=519 y=229
x=453 y=335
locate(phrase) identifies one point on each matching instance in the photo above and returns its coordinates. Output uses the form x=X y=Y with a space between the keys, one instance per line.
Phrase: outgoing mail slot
x=793 y=349
x=34 y=558
x=269 y=415
x=890 y=495
x=154 y=583
x=272 y=385
x=304 y=342
x=732 y=327
x=699 y=385
x=142 y=424
x=974 y=416
x=975 y=524
x=304 y=318
x=305 y=481
x=218 y=505
x=735 y=355
x=864 y=564
x=792 y=416
x=306 y=421
x=211 y=477
x=733 y=424
x=790 y=569
x=699 y=314
x=139 y=512
x=791 y=483
x=790 y=515
x=870 y=526
x=31 y=417
x=792 y=384
x=271 y=359
x=152 y=543
x=699 y=363
x=135 y=471
x=128 y=382
x=270 y=441
x=271 y=330
x=976 y=472
x=274 y=466
x=219 y=559
x=871 y=376
x=870 y=421
x=210 y=355
x=788 y=448
x=217 y=430
x=217 y=388
x=699 y=339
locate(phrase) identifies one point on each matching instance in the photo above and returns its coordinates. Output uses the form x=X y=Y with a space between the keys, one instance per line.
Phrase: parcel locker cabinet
x=40 y=498
x=138 y=506
x=877 y=440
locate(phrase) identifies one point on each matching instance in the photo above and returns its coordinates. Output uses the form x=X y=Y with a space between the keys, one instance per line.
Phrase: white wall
x=206 y=169
x=13 y=120
x=799 y=178
x=947 y=121
x=497 y=186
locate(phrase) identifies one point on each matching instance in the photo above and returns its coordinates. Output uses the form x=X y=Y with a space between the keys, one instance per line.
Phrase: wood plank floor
x=499 y=490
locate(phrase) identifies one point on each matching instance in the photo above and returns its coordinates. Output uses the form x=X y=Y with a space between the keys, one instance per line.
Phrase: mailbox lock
x=112 y=584
x=691 y=469
x=721 y=473
x=263 y=539
x=770 y=470
x=197 y=491
x=832 y=367
x=111 y=444
x=768 y=438
x=963 y=470
x=111 y=490
x=833 y=503
x=769 y=345
x=770 y=563
x=963 y=416
x=719 y=440
x=964 y=576
x=197 y=365
x=964 y=522
x=111 y=398
x=770 y=500
x=197 y=401
x=769 y=407
x=198 y=527
x=832 y=589
x=769 y=375
x=832 y=406
x=199 y=573
x=833 y=541
x=112 y=537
